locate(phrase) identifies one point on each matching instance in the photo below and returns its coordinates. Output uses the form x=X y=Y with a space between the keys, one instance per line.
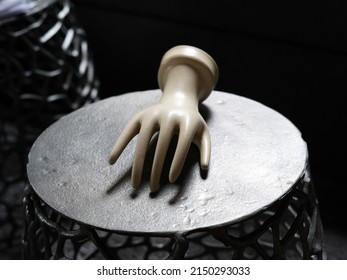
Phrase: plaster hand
x=186 y=77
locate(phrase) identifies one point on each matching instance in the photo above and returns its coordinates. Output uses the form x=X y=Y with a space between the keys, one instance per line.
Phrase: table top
x=257 y=156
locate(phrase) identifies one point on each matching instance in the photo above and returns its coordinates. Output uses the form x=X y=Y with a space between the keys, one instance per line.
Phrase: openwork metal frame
x=46 y=71
x=289 y=229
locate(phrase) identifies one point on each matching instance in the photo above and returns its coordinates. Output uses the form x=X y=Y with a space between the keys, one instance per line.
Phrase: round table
x=255 y=201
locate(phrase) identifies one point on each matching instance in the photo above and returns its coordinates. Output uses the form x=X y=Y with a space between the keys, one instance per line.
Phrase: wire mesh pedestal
x=256 y=201
x=46 y=71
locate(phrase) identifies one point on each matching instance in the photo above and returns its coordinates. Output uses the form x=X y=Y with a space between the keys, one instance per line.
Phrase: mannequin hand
x=168 y=120
x=186 y=76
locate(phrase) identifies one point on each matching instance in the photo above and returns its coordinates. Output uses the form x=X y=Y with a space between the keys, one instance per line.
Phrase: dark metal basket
x=46 y=71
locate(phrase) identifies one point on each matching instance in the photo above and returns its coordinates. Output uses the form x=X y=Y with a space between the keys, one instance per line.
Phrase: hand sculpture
x=186 y=77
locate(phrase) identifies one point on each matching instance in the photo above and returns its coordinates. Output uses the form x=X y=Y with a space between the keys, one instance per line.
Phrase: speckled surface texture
x=257 y=155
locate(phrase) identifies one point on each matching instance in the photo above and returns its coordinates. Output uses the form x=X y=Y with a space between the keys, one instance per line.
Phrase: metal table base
x=289 y=229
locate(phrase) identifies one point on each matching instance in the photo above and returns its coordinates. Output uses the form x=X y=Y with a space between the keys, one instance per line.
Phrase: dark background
x=291 y=57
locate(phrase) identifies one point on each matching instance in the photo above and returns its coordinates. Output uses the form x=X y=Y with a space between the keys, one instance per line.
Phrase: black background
x=291 y=57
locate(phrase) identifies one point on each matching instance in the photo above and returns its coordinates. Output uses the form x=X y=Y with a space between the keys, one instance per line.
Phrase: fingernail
x=204 y=166
x=172 y=178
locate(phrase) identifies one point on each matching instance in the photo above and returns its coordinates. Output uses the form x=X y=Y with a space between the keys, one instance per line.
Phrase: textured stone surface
x=257 y=156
